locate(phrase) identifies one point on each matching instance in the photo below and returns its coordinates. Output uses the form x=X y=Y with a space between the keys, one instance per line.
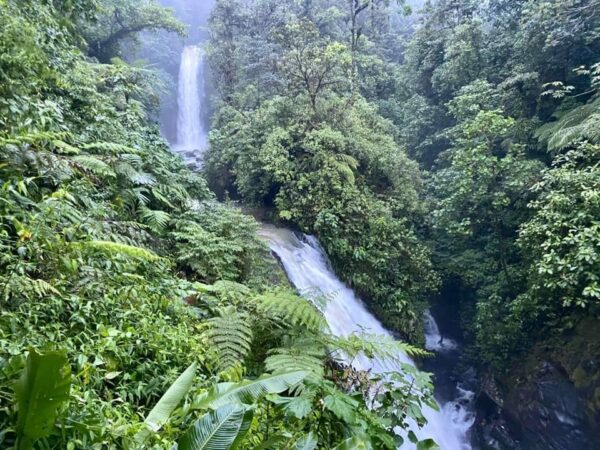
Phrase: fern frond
x=291 y=310
x=581 y=123
x=24 y=286
x=372 y=346
x=303 y=354
x=36 y=138
x=156 y=220
x=344 y=165
x=133 y=159
x=231 y=335
x=109 y=147
x=94 y=166
x=132 y=175
x=144 y=179
x=118 y=248
x=64 y=148
x=167 y=194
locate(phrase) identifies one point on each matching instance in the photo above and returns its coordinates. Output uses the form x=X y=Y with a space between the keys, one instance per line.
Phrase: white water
x=433 y=339
x=191 y=135
x=308 y=269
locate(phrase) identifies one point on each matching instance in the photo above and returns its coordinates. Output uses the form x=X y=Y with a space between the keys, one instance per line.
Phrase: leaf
x=354 y=443
x=166 y=405
x=94 y=165
x=308 y=442
x=218 y=430
x=428 y=444
x=112 y=248
x=157 y=220
x=231 y=335
x=341 y=405
x=42 y=389
x=298 y=407
x=249 y=390
x=291 y=310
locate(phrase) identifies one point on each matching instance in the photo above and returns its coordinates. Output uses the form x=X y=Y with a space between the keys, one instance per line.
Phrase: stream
x=309 y=271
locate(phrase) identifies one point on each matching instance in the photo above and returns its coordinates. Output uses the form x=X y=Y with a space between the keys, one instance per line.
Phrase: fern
x=94 y=166
x=231 y=335
x=289 y=309
x=345 y=165
x=133 y=159
x=64 y=148
x=117 y=248
x=374 y=346
x=38 y=138
x=22 y=285
x=581 y=123
x=290 y=359
x=156 y=220
x=109 y=147
x=167 y=194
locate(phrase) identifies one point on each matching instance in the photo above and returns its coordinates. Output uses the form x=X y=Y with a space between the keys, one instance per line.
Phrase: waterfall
x=191 y=136
x=433 y=339
x=308 y=270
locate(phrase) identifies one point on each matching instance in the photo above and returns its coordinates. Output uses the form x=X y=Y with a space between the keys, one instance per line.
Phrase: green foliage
x=320 y=110
x=220 y=429
x=563 y=237
x=321 y=154
x=291 y=310
x=159 y=415
x=217 y=242
x=41 y=391
x=231 y=335
x=117 y=253
x=249 y=391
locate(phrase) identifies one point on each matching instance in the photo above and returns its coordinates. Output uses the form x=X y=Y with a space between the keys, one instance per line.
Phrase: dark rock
x=544 y=412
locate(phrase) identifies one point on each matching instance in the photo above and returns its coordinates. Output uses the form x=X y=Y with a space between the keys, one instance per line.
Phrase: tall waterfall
x=191 y=135
x=308 y=269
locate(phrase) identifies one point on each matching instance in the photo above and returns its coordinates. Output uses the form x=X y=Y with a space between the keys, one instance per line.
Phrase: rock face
x=544 y=412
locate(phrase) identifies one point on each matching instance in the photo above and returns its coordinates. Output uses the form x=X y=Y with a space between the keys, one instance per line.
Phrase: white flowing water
x=308 y=270
x=191 y=135
x=434 y=341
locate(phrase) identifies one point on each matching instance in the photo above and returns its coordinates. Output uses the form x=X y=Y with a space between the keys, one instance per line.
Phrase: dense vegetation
x=135 y=310
x=454 y=147
x=463 y=140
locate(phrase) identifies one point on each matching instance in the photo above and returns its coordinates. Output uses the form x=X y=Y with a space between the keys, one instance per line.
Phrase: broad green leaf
x=428 y=444
x=308 y=442
x=166 y=405
x=222 y=429
x=249 y=390
x=42 y=389
x=342 y=406
x=355 y=443
x=299 y=407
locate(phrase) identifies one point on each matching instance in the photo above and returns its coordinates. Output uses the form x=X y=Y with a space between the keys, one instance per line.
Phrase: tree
x=121 y=20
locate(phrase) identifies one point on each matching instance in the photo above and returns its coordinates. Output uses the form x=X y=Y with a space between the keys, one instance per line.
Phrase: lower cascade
x=309 y=271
